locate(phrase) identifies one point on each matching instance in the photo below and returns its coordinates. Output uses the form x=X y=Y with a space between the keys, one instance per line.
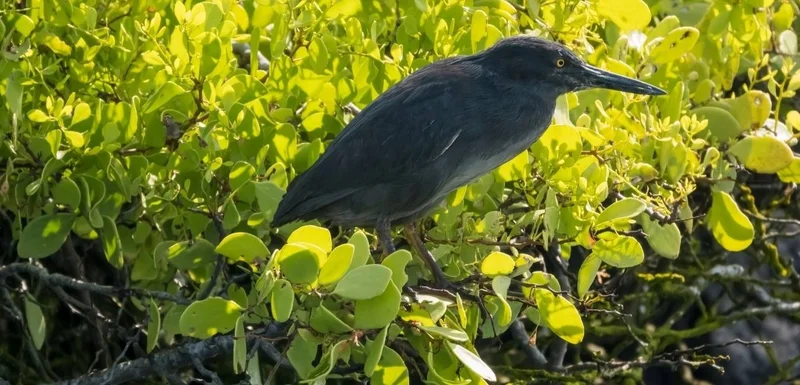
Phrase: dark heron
x=438 y=129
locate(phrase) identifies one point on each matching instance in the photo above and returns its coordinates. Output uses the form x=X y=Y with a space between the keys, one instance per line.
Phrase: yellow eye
x=560 y=63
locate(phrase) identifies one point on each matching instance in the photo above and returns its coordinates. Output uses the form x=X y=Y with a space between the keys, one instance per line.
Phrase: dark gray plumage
x=438 y=129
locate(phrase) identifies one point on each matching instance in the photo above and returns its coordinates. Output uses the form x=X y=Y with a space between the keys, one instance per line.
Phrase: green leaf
x=189 y=255
x=665 y=240
x=450 y=334
x=264 y=285
x=588 y=273
x=205 y=318
x=324 y=321
x=282 y=300
x=397 y=262
x=515 y=169
x=241 y=173
x=560 y=316
x=729 y=225
x=14 y=92
x=364 y=282
x=268 y=195
x=677 y=43
x=377 y=312
x=44 y=235
x=153 y=326
x=791 y=174
x=315 y=235
x=621 y=209
x=66 y=192
x=497 y=263
x=302 y=353
x=162 y=96
x=242 y=245
x=112 y=245
x=298 y=263
x=540 y=278
x=375 y=352
x=500 y=285
x=231 y=216
x=391 y=369
x=472 y=361
x=628 y=15
x=34 y=318
x=622 y=251
x=239 y=347
x=361 y=253
x=763 y=154
x=337 y=264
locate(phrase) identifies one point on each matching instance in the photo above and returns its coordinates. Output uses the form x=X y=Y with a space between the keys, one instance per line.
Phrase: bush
x=147 y=145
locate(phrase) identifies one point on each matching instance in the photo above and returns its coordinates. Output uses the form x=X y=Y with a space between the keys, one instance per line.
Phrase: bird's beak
x=599 y=78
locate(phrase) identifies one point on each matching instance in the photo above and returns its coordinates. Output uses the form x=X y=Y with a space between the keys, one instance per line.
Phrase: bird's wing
x=393 y=139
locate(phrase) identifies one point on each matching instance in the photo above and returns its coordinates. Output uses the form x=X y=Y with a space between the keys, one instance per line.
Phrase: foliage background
x=145 y=150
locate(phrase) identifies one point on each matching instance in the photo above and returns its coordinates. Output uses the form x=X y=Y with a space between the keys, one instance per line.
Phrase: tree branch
x=171 y=360
x=60 y=280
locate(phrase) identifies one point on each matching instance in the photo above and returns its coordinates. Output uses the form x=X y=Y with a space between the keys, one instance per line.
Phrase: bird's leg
x=414 y=238
x=384 y=230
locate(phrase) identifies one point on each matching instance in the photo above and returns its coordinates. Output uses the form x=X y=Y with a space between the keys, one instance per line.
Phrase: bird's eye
x=560 y=63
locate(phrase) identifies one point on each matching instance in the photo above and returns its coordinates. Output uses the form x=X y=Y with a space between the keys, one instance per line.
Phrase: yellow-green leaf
x=299 y=263
x=763 y=154
x=497 y=263
x=665 y=240
x=153 y=326
x=282 y=300
x=621 y=209
x=587 y=274
x=364 y=282
x=628 y=15
x=337 y=264
x=729 y=225
x=205 y=318
x=44 y=235
x=620 y=251
x=36 y=322
x=315 y=235
x=678 y=42
x=242 y=245
x=560 y=316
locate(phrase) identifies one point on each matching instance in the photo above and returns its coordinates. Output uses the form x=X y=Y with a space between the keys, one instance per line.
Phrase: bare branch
x=56 y=279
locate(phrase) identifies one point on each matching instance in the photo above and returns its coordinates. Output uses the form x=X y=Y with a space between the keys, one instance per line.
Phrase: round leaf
x=242 y=245
x=763 y=154
x=364 y=282
x=665 y=240
x=298 y=263
x=315 y=235
x=622 y=251
x=44 y=235
x=636 y=14
x=377 y=312
x=205 y=318
x=497 y=263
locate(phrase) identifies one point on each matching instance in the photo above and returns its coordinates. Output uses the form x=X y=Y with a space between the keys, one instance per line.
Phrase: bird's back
x=436 y=130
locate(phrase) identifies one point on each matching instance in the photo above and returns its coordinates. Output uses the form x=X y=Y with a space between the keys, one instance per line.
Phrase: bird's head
x=553 y=66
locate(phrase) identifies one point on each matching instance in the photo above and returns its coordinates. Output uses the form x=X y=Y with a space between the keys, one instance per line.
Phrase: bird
x=440 y=128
